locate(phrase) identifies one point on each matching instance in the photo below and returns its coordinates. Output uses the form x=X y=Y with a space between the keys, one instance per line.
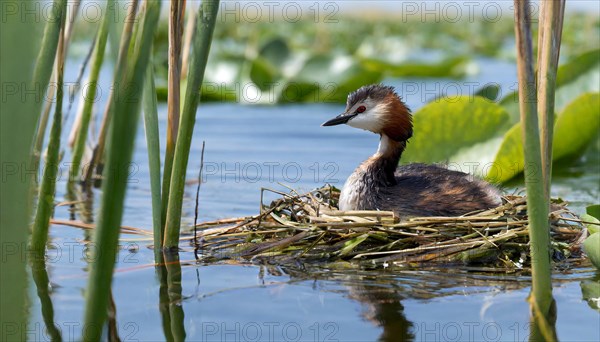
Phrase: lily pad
x=592 y=223
x=580 y=75
x=444 y=127
x=276 y=52
x=451 y=67
x=263 y=74
x=590 y=291
x=266 y=68
x=336 y=76
x=577 y=66
x=490 y=91
x=593 y=210
x=575 y=128
x=591 y=245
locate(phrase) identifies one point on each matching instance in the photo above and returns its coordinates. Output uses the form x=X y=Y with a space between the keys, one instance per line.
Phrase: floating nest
x=308 y=227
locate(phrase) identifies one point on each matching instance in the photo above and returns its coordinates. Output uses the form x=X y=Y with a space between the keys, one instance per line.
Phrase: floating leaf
x=276 y=52
x=451 y=67
x=304 y=92
x=266 y=69
x=336 y=76
x=490 y=91
x=263 y=74
x=574 y=130
x=444 y=127
x=592 y=223
x=580 y=75
x=590 y=291
x=593 y=210
x=591 y=245
x=576 y=67
x=576 y=126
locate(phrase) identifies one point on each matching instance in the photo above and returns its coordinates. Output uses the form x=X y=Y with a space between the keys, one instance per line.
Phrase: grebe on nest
x=410 y=190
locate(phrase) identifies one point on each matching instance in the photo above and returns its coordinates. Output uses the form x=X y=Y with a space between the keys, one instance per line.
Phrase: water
x=249 y=147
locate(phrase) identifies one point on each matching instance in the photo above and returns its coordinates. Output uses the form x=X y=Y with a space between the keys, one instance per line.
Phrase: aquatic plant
x=82 y=128
x=18 y=124
x=536 y=130
x=126 y=110
x=205 y=24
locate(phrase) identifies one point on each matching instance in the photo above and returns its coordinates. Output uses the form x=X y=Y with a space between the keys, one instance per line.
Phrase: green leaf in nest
x=351 y=244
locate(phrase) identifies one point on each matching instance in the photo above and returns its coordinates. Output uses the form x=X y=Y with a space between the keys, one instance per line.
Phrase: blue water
x=250 y=147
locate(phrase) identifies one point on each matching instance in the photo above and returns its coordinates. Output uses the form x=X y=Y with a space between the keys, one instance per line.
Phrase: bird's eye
x=361 y=109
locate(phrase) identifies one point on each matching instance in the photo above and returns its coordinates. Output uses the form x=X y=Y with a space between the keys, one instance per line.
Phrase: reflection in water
x=383 y=307
x=82 y=199
x=42 y=283
x=380 y=293
x=168 y=270
x=590 y=290
x=111 y=321
x=389 y=299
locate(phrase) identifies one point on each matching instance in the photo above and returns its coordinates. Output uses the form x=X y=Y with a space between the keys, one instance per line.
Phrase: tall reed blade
x=153 y=142
x=537 y=202
x=46 y=194
x=173 y=97
x=18 y=121
x=43 y=286
x=45 y=60
x=119 y=71
x=126 y=110
x=43 y=71
x=90 y=96
x=176 y=313
x=73 y=9
x=549 y=38
x=205 y=25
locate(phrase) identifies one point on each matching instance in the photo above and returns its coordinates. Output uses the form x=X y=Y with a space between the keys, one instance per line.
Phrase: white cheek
x=369 y=121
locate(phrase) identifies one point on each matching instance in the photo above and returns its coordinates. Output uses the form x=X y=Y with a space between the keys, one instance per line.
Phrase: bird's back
x=429 y=190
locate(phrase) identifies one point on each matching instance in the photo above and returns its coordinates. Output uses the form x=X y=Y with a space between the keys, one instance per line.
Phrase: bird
x=412 y=190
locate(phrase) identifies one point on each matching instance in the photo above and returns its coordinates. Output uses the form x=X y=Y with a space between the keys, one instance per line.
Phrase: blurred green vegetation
x=315 y=62
x=322 y=62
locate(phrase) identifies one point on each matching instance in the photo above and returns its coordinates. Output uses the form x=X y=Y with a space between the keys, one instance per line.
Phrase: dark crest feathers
x=374 y=91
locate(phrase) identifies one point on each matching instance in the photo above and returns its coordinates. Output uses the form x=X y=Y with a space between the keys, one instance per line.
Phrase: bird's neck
x=385 y=161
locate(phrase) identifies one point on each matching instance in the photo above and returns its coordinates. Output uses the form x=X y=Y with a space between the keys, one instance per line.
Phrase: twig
x=197 y=197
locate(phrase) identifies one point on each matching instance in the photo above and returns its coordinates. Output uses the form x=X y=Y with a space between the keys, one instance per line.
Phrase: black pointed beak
x=338 y=120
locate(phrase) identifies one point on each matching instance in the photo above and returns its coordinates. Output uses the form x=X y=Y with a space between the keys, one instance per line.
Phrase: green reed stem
x=89 y=98
x=176 y=14
x=537 y=201
x=18 y=121
x=48 y=187
x=119 y=71
x=43 y=71
x=42 y=284
x=45 y=60
x=549 y=39
x=176 y=313
x=121 y=141
x=153 y=142
x=205 y=25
